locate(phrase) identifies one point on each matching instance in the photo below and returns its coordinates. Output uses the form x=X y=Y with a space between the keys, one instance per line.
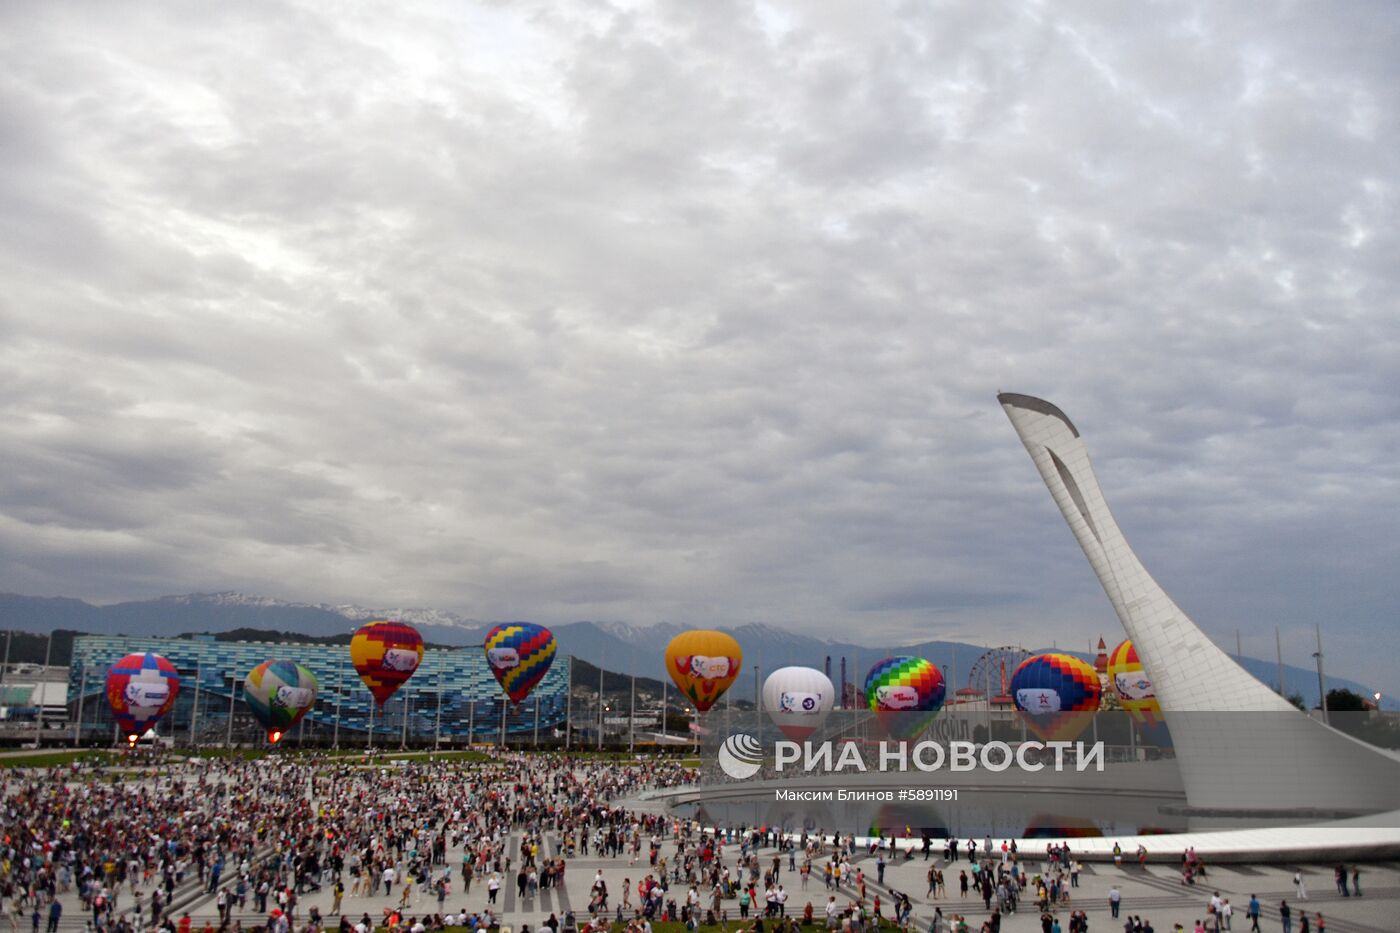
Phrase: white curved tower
x=1241 y=747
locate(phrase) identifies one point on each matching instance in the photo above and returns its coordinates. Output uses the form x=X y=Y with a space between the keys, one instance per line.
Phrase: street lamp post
x=437 y=728
x=757 y=706
x=228 y=731
x=194 y=709
x=339 y=691
x=40 y=689
x=1321 y=681
x=632 y=718
x=82 y=691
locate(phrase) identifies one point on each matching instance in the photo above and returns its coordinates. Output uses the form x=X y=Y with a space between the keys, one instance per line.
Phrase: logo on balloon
x=805 y=703
x=740 y=756
x=1133 y=687
x=294 y=697
x=1038 y=700
x=397 y=659
x=897 y=697
x=709 y=668
x=146 y=695
x=503 y=658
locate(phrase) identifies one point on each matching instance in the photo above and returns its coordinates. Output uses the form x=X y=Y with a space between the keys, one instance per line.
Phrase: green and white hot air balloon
x=279 y=693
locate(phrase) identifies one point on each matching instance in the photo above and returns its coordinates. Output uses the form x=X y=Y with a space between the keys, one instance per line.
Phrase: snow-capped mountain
x=413 y=616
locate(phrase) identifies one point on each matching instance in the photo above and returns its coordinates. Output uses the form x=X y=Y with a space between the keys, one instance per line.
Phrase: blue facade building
x=452 y=696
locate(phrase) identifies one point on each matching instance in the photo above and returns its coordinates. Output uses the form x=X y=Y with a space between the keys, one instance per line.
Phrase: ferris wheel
x=991 y=673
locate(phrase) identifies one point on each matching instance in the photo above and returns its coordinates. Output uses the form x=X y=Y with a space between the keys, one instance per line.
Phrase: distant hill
x=170 y=616
x=617 y=647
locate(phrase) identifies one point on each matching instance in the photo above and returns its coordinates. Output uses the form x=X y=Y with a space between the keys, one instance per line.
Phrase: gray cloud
x=697 y=313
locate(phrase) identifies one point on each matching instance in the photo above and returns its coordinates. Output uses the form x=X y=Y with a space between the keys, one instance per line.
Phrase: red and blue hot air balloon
x=519 y=654
x=1056 y=695
x=141 y=688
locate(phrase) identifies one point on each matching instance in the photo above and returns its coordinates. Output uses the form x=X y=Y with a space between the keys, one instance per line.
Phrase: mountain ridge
x=621 y=647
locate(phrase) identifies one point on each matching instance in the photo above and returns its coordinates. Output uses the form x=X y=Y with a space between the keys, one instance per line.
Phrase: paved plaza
x=1154 y=893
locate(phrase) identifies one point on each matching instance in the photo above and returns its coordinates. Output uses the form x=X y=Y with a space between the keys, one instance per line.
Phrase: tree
x=1297 y=700
x=1342 y=700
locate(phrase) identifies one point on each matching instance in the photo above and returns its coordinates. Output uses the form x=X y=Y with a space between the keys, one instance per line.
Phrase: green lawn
x=58 y=759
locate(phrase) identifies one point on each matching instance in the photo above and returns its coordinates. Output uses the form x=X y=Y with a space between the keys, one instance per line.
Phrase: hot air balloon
x=1132 y=685
x=703 y=663
x=386 y=654
x=520 y=654
x=798 y=700
x=1056 y=695
x=141 y=688
x=905 y=694
x=279 y=693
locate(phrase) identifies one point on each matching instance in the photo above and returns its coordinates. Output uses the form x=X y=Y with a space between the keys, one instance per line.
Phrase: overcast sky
x=698 y=312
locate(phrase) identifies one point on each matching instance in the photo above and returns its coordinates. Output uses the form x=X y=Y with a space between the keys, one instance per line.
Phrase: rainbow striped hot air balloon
x=141 y=688
x=1132 y=685
x=520 y=654
x=386 y=654
x=279 y=693
x=905 y=694
x=1056 y=695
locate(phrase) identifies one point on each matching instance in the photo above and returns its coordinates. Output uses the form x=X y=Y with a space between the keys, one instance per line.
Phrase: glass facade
x=453 y=694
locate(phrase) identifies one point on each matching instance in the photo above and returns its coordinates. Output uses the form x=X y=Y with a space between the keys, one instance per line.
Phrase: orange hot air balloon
x=386 y=654
x=703 y=663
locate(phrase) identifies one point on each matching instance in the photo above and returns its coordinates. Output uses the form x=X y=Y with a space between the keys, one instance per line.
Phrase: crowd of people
x=270 y=843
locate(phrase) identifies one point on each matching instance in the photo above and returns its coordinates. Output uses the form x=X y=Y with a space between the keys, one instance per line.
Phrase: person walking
x=1299 y=887
x=1253 y=914
x=1285 y=916
x=1115 y=899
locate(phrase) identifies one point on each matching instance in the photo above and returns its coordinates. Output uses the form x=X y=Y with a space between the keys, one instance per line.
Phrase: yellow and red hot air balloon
x=1132 y=685
x=703 y=663
x=386 y=654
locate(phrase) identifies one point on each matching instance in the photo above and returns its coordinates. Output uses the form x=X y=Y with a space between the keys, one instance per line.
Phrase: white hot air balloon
x=798 y=700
